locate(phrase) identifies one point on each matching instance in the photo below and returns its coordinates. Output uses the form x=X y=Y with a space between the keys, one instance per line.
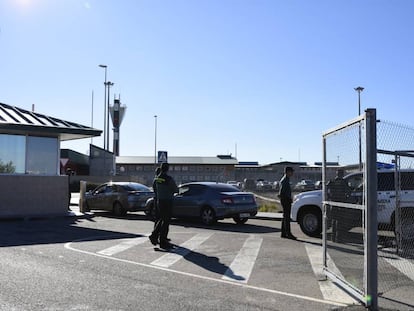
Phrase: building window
x=42 y=155
x=12 y=154
x=29 y=154
x=184 y=168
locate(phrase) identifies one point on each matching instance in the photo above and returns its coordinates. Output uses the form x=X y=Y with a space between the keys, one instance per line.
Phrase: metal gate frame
x=369 y=294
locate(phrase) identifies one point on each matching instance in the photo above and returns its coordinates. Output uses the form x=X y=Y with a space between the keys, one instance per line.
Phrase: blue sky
x=258 y=79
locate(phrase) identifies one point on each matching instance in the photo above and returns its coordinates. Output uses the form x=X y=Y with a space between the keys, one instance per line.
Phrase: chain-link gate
x=368 y=216
x=349 y=208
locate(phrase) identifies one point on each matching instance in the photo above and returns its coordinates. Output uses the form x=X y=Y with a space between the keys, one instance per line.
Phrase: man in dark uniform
x=154 y=187
x=285 y=195
x=339 y=217
x=165 y=187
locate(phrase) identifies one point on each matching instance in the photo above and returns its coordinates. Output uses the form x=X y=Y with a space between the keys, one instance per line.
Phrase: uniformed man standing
x=340 y=218
x=285 y=195
x=165 y=187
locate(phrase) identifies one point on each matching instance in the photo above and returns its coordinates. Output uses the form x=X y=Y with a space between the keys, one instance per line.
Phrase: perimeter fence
x=368 y=221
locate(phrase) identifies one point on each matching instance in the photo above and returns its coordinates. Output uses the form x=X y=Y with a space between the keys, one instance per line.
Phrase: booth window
x=21 y=154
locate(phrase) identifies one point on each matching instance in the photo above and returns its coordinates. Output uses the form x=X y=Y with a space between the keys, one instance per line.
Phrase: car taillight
x=227 y=200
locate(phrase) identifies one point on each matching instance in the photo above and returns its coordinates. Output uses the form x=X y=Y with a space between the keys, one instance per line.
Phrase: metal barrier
x=349 y=208
x=368 y=217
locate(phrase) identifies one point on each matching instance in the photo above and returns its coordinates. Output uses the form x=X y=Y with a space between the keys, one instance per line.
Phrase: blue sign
x=162 y=156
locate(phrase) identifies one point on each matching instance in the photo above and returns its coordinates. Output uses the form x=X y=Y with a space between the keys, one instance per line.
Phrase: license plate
x=244 y=215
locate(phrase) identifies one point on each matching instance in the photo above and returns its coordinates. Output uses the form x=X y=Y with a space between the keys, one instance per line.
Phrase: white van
x=307 y=206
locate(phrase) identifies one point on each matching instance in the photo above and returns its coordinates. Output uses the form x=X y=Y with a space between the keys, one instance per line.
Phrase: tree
x=7 y=168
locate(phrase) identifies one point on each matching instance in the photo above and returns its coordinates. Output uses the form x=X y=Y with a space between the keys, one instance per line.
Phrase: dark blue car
x=211 y=201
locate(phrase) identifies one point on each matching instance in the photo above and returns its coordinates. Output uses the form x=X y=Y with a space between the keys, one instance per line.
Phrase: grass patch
x=267 y=206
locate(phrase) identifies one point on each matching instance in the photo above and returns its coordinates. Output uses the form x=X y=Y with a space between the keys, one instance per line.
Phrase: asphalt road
x=99 y=262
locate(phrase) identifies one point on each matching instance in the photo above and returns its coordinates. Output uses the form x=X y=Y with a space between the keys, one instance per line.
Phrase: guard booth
x=30 y=162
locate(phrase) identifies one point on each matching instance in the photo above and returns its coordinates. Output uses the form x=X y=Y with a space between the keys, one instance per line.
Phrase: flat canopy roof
x=14 y=120
x=176 y=160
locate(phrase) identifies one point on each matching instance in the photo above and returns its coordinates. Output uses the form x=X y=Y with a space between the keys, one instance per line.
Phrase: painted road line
x=123 y=246
x=185 y=248
x=328 y=289
x=242 y=266
x=71 y=246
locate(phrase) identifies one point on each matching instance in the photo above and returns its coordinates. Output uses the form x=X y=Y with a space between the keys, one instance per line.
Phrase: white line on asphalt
x=242 y=266
x=185 y=248
x=328 y=289
x=123 y=246
x=68 y=245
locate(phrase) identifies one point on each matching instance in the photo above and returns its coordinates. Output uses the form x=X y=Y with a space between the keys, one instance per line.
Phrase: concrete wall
x=29 y=195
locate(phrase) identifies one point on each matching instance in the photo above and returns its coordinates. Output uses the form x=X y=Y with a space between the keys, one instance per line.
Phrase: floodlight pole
x=155 y=140
x=359 y=89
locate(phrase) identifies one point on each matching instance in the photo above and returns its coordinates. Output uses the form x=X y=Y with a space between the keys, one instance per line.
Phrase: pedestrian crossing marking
x=329 y=290
x=123 y=246
x=185 y=248
x=242 y=266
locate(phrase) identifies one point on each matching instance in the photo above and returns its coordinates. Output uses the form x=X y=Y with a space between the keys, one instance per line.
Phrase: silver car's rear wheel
x=208 y=217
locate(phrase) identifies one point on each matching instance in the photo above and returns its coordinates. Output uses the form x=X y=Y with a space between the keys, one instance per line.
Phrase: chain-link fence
x=395 y=145
x=373 y=259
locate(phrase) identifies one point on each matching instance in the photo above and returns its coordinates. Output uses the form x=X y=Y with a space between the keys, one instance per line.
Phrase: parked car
x=119 y=197
x=263 y=185
x=318 y=185
x=248 y=184
x=275 y=185
x=305 y=185
x=210 y=201
x=237 y=184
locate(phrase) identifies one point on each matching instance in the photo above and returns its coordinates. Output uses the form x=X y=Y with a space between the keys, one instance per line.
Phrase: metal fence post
x=371 y=220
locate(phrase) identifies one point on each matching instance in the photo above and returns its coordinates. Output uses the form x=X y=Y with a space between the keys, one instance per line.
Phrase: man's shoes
x=291 y=237
x=288 y=236
x=153 y=239
x=166 y=245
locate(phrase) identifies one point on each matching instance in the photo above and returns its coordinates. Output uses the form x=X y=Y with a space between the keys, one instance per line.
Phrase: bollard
x=82 y=203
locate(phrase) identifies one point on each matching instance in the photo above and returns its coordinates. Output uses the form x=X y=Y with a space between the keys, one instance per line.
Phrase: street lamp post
x=105 y=67
x=155 y=141
x=359 y=89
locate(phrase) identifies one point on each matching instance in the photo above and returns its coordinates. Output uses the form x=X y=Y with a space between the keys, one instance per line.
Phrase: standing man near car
x=154 y=188
x=165 y=187
x=285 y=195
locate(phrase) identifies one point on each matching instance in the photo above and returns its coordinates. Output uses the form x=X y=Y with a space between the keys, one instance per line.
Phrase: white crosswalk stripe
x=242 y=266
x=124 y=245
x=328 y=289
x=185 y=248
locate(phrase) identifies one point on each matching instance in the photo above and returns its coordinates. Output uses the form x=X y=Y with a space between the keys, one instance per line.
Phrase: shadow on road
x=248 y=227
x=19 y=232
